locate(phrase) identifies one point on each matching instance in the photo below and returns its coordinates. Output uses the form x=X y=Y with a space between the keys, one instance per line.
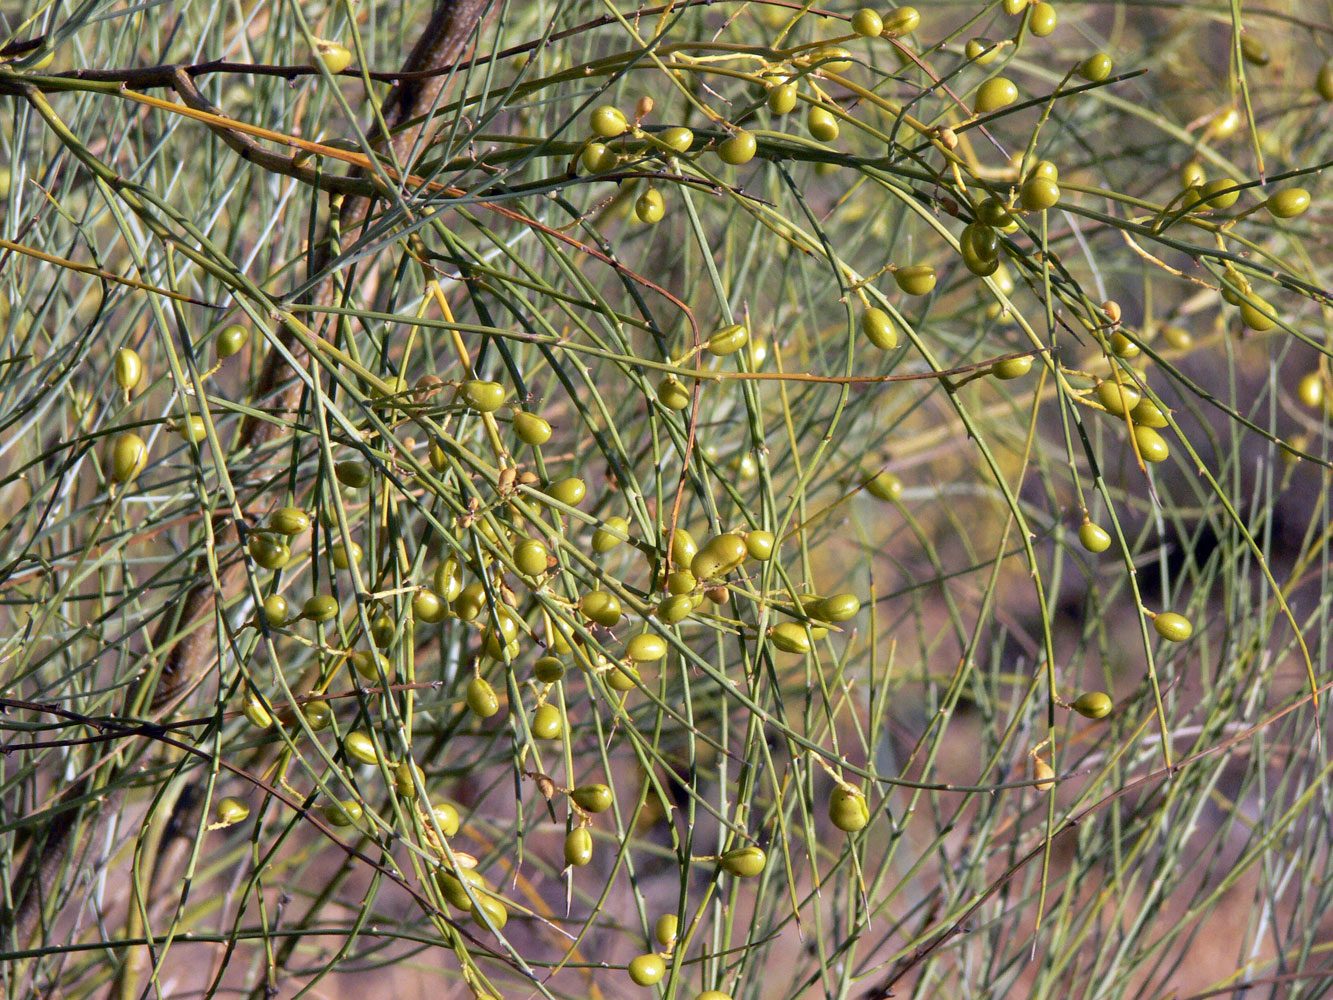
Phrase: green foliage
x=353 y=617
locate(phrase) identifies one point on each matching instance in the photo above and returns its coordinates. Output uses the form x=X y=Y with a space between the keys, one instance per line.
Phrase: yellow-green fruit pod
x=646 y=647
x=1220 y=193
x=719 y=556
x=1173 y=627
x=902 y=21
x=334 y=56
x=531 y=429
x=256 y=712
x=678 y=137
x=879 y=328
x=738 y=150
x=446 y=818
x=470 y=601
x=782 y=98
x=1042 y=19
x=548 y=670
x=594 y=798
x=1148 y=413
x=192 y=428
x=848 y=810
x=269 y=551
x=1310 y=390
x=128 y=368
x=607 y=122
x=981 y=51
x=602 y=607
x=1323 y=81
x=318 y=714
x=360 y=747
x=276 y=610
x=614 y=531
x=1152 y=446
x=1253 y=51
x=231 y=810
x=1095 y=68
x=822 y=124
x=451 y=886
x=427 y=607
x=665 y=929
x=1094 y=537
x=712 y=995
x=1038 y=194
x=502 y=644
x=647 y=970
x=368 y=663
x=675 y=609
x=1234 y=286
x=489 y=910
x=547 y=723
x=231 y=340
x=867 y=23
x=481 y=698
x=129 y=457
x=353 y=474
x=682 y=581
x=448 y=580
x=916 y=279
x=343 y=557
x=996 y=93
x=683 y=548
x=569 y=491
x=597 y=158
x=728 y=340
x=744 y=862
x=672 y=394
x=1289 y=203
x=481 y=395
x=403 y=781
x=979 y=246
x=1011 y=368
x=759 y=544
x=650 y=207
x=578 y=847
x=289 y=521
x=530 y=557
x=1093 y=705
x=790 y=637
x=885 y=486
x=993 y=213
x=1118 y=399
x=831 y=59
x=837 y=608
x=1256 y=313
x=343 y=813
x=320 y=608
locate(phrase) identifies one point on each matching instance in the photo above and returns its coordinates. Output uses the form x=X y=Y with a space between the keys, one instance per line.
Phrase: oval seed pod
x=602 y=607
x=646 y=647
x=728 y=340
x=879 y=328
x=821 y=123
x=256 y=712
x=232 y=810
x=607 y=537
x=1093 y=705
x=885 y=486
x=608 y=121
x=647 y=970
x=451 y=886
x=276 y=610
x=683 y=548
x=1118 y=399
x=678 y=137
x=446 y=817
x=481 y=698
x=666 y=929
x=915 y=279
x=360 y=747
x=1147 y=413
x=672 y=394
x=343 y=557
x=867 y=23
x=744 y=862
x=289 y=521
x=320 y=608
x=1095 y=68
x=334 y=56
x=569 y=491
x=353 y=474
x=1093 y=537
x=548 y=670
x=488 y=910
x=848 y=810
x=1310 y=390
x=129 y=457
x=547 y=723
x=318 y=714
x=269 y=551
x=481 y=395
x=759 y=544
x=128 y=368
x=1042 y=19
x=578 y=847
x=1012 y=368
x=1152 y=446
x=403 y=780
x=343 y=813
x=790 y=637
x=531 y=429
x=1173 y=627
x=427 y=607
x=593 y=798
x=448 y=580
x=231 y=340
x=675 y=609
x=530 y=556
x=650 y=207
x=719 y=556
x=1038 y=194
x=782 y=98
x=837 y=608
x=902 y=21
x=1289 y=203
x=1044 y=774
x=996 y=93
x=737 y=150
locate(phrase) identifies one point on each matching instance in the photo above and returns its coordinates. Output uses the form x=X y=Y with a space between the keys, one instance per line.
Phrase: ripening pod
x=129 y=457
x=481 y=698
x=531 y=429
x=759 y=544
x=448 y=580
x=256 y=712
x=231 y=339
x=403 y=781
x=719 y=556
x=678 y=138
x=593 y=798
x=613 y=531
x=1118 y=399
x=737 y=150
x=666 y=929
x=790 y=637
x=1044 y=773
x=481 y=395
x=451 y=886
x=647 y=970
x=836 y=608
x=289 y=521
x=318 y=714
x=446 y=817
x=353 y=474
x=848 y=810
x=608 y=121
x=276 y=610
x=1173 y=627
x=343 y=813
x=744 y=862
x=915 y=279
x=578 y=847
x=602 y=607
x=996 y=93
x=360 y=747
x=879 y=328
x=547 y=723
x=269 y=551
x=320 y=608
x=1093 y=705
x=728 y=340
x=489 y=911
x=530 y=557
x=1012 y=368
x=885 y=486
x=427 y=607
x=646 y=647
x=231 y=810
x=650 y=207
x=672 y=394
x=548 y=669
x=334 y=56
x=128 y=368
x=1093 y=537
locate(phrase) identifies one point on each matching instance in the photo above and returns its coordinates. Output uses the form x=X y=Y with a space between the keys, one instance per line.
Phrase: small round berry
x=578 y=847
x=129 y=457
x=738 y=150
x=607 y=122
x=848 y=810
x=334 y=56
x=744 y=862
x=597 y=158
x=289 y=521
x=427 y=607
x=1038 y=194
x=1093 y=705
x=128 y=368
x=647 y=970
x=1011 y=368
x=1095 y=68
x=1173 y=627
x=531 y=429
x=481 y=395
x=231 y=340
x=1094 y=537
x=885 y=486
x=569 y=491
x=650 y=207
x=759 y=544
x=996 y=93
x=1310 y=390
x=1289 y=203
x=879 y=328
x=269 y=551
x=232 y=810
x=277 y=612
x=353 y=474
x=822 y=124
x=360 y=747
x=320 y=608
x=915 y=279
x=530 y=556
x=646 y=647
x=592 y=798
x=1152 y=446
x=614 y=531
x=1042 y=19
x=678 y=138
x=867 y=23
x=782 y=98
x=547 y=722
